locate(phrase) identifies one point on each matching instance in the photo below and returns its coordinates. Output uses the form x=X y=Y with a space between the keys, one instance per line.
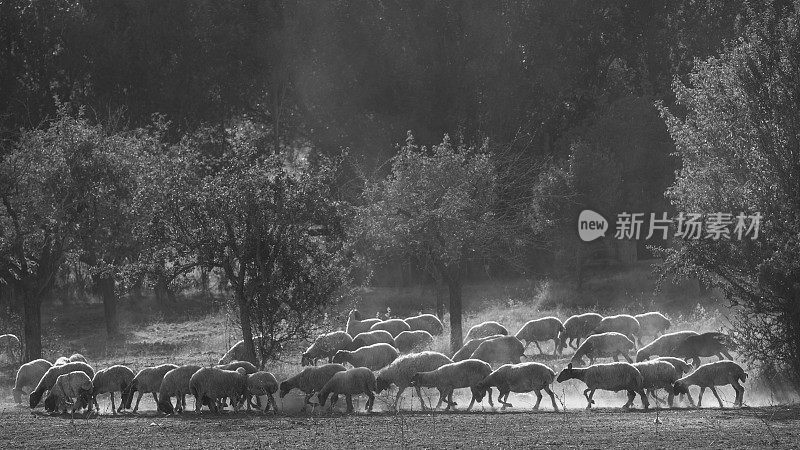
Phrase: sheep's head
x=165 y=406
x=127 y=393
x=642 y=355
x=321 y=398
x=667 y=325
x=577 y=361
x=51 y=403
x=381 y=383
x=84 y=399
x=480 y=391
x=35 y=397
x=306 y=360
x=17 y=393
x=565 y=374
x=340 y=357
x=285 y=387
x=355 y=315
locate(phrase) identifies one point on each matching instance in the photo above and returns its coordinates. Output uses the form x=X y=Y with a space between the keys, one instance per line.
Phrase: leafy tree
x=739 y=142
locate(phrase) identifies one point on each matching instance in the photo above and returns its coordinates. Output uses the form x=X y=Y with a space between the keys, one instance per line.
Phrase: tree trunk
x=454 y=286
x=32 y=327
x=104 y=286
x=247 y=330
x=439 y=300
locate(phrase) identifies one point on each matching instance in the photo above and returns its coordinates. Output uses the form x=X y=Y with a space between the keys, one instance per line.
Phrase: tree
x=270 y=222
x=739 y=142
x=439 y=205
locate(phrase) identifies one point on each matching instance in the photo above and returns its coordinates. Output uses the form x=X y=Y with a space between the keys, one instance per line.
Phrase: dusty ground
x=602 y=428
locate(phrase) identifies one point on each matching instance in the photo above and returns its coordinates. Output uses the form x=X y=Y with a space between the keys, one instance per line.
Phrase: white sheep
x=11 y=345
x=351 y=382
x=652 y=324
x=409 y=341
x=486 y=329
x=658 y=375
x=246 y=365
x=310 y=380
x=49 y=379
x=109 y=380
x=663 y=345
x=524 y=377
x=621 y=323
x=714 y=374
x=355 y=325
x=210 y=385
x=175 y=384
x=372 y=337
x=402 y=370
x=70 y=385
x=77 y=357
x=543 y=329
x=579 y=327
x=463 y=374
x=680 y=365
x=393 y=326
x=469 y=348
x=325 y=346
x=604 y=345
x=373 y=357
x=238 y=353
x=704 y=345
x=148 y=380
x=61 y=360
x=29 y=374
x=262 y=384
x=505 y=349
x=426 y=322
x=615 y=377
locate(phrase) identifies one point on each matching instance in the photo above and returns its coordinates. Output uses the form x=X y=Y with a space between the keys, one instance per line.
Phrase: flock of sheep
x=390 y=352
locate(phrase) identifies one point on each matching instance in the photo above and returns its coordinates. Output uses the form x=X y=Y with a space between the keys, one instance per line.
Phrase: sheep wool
x=210 y=384
x=310 y=380
x=148 y=380
x=524 y=377
x=70 y=385
x=426 y=322
x=505 y=349
x=409 y=341
x=617 y=376
x=680 y=365
x=373 y=357
x=463 y=374
x=469 y=348
x=714 y=374
x=652 y=323
x=237 y=351
x=371 y=337
x=621 y=323
x=579 y=327
x=61 y=361
x=658 y=375
x=29 y=374
x=393 y=326
x=486 y=329
x=543 y=329
x=704 y=345
x=246 y=365
x=402 y=370
x=49 y=378
x=110 y=380
x=355 y=325
x=610 y=344
x=663 y=345
x=77 y=357
x=175 y=384
x=261 y=384
x=351 y=382
x=325 y=346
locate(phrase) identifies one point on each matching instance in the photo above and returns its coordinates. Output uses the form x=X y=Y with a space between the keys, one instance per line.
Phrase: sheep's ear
x=569 y=366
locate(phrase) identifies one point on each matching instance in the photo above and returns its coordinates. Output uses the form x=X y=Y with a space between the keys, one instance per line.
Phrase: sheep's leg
x=113 y=410
x=441 y=398
x=489 y=393
x=689 y=396
x=700 y=398
x=198 y=402
x=556 y=346
x=371 y=401
x=538 y=347
x=627 y=358
x=739 y=392
x=397 y=398
x=139 y=398
x=645 y=402
x=696 y=361
x=538 y=399
x=472 y=402
x=577 y=343
x=588 y=393
x=629 y=403
x=714 y=391
x=670 y=397
x=349 y=399
x=652 y=393
x=727 y=355
x=552 y=397
x=421 y=400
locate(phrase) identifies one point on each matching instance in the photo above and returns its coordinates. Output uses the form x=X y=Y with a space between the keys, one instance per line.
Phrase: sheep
x=373 y=357
x=355 y=325
x=325 y=346
x=680 y=365
x=604 y=345
x=408 y=341
x=372 y=337
x=524 y=377
x=260 y=384
x=617 y=376
x=109 y=380
x=579 y=327
x=61 y=361
x=77 y=385
x=426 y=322
x=175 y=384
x=210 y=384
x=486 y=329
x=621 y=323
x=714 y=374
x=11 y=344
x=29 y=374
x=147 y=380
x=402 y=369
x=703 y=345
x=652 y=324
x=447 y=378
x=663 y=345
x=393 y=326
x=505 y=349
x=658 y=375
x=310 y=380
x=246 y=365
x=49 y=379
x=77 y=357
x=358 y=380
x=238 y=353
x=469 y=348
x=542 y=329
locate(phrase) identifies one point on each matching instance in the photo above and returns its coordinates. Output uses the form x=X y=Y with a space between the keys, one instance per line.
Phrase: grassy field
x=193 y=333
